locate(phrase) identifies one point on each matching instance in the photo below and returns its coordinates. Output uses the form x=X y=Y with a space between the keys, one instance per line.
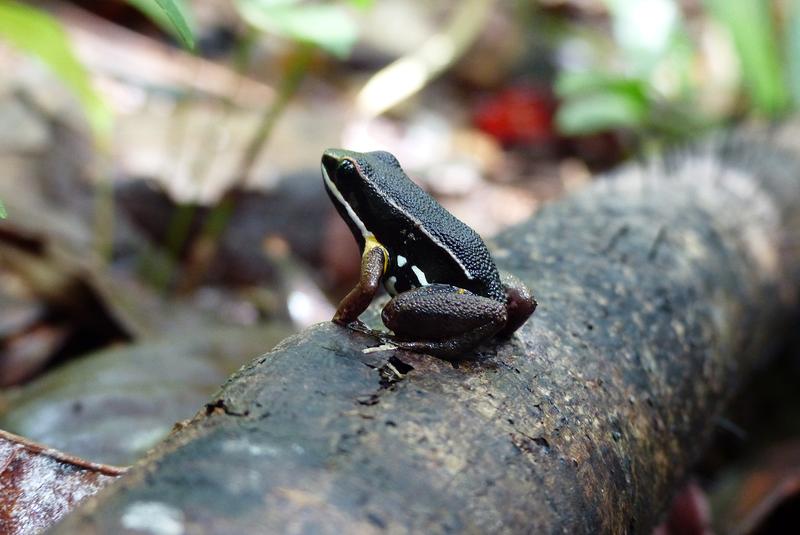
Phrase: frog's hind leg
x=520 y=303
x=442 y=320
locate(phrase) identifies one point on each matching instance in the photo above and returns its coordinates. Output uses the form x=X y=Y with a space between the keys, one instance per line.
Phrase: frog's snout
x=330 y=159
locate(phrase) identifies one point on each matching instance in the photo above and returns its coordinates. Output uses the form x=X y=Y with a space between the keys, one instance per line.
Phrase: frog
x=447 y=294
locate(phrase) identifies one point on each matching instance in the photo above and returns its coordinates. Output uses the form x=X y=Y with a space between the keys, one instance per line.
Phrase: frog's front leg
x=442 y=320
x=373 y=265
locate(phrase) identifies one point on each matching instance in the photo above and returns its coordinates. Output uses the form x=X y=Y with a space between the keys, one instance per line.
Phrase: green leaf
x=598 y=112
x=597 y=101
x=327 y=26
x=571 y=84
x=173 y=16
x=37 y=33
x=753 y=35
x=3 y=213
x=793 y=51
x=362 y=4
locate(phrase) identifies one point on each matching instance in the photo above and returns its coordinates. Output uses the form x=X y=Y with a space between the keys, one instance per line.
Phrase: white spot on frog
x=423 y=281
x=401 y=260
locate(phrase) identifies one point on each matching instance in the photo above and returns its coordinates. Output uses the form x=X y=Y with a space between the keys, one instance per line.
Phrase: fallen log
x=659 y=290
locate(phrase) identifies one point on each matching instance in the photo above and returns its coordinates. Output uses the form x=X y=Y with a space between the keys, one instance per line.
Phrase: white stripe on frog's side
x=367 y=234
x=350 y=212
x=435 y=241
x=423 y=281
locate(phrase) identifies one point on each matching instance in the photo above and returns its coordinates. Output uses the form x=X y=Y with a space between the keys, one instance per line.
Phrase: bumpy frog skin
x=448 y=296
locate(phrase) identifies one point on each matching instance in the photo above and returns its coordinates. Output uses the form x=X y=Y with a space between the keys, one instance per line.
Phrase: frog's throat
x=366 y=234
x=370 y=241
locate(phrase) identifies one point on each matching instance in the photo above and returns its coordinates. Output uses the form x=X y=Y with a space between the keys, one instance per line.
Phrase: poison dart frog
x=447 y=294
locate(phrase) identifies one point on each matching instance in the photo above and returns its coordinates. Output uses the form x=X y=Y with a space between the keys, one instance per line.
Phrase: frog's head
x=356 y=182
x=348 y=170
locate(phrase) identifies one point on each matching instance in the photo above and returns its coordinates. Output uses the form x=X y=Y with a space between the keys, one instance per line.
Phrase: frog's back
x=430 y=238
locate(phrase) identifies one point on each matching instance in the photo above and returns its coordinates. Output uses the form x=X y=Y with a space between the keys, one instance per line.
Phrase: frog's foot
x=442 y=320
x=359 y=326
x=454 y=348
x=356 y=324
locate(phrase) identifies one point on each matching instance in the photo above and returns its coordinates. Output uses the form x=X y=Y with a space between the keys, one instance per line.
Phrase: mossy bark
x=659 y=290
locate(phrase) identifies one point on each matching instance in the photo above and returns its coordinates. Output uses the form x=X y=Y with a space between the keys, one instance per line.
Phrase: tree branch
x=659 y=290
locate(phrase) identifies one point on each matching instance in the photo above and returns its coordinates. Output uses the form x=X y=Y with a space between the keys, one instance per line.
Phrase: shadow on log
x=660 y=289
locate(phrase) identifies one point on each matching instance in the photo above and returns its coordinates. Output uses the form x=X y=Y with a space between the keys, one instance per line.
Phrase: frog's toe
x=451 y=348
x=356 y=324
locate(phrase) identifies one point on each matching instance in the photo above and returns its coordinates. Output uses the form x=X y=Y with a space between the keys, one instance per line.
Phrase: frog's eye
x=345 y=168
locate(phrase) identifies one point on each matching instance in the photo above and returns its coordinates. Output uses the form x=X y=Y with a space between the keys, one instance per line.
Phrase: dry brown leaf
x=40 y=485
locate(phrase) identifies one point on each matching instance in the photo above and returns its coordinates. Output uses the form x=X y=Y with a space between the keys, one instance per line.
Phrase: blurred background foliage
x=656 y=72
x=667 y=75
x=649 y=71
x=493 y=106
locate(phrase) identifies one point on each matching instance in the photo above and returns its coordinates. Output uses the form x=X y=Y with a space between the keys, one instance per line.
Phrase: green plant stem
x=177 y=233
x=104 y=211
x=241 y=59
x=180 y=221
x=205 y=246
x=287 y=89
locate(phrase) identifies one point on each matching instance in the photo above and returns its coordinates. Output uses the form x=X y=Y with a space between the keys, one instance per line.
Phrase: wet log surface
x=660 y=289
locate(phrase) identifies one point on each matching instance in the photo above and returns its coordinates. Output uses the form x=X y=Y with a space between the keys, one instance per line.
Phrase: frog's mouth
x=339 y=199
